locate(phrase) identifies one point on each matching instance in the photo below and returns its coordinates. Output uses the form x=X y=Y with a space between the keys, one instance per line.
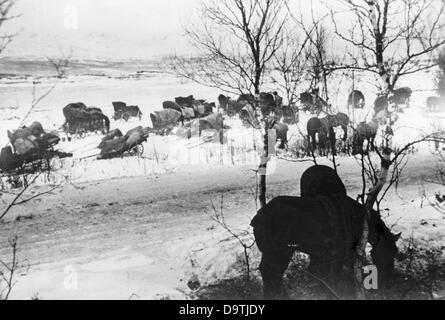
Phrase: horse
x=267 y=103
x=333 y=121
x=289 y=114
x=327 y=228
x=282 y=129
x=381 y=104
x=434 y=103
x=401 y=96
x=364 y=132
x=316 y=126
x=326 y=225
x=340 y=120
x=223 y=102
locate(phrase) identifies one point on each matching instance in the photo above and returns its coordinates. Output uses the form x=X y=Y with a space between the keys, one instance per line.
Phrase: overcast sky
x=145 y=27
x=106 y=28
x=123 y=17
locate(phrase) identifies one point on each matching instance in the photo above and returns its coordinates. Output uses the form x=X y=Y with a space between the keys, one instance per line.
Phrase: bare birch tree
x=291 y=65
x=236 y=42
x=391 y=39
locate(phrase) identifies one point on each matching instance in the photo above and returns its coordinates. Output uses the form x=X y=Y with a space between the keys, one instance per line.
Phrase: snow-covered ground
x=140 y=227
x=145 y=237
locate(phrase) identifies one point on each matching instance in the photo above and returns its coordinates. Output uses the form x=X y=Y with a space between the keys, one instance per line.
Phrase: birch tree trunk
x=385 y=159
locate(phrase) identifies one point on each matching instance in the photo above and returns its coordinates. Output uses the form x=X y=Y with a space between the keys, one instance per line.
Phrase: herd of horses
x=321 y=130
x=325 y=224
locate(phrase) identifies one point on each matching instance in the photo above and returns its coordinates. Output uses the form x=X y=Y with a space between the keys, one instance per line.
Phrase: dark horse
x=364 y=132
x=335 y=121
x=316 y=127
x=327 y=228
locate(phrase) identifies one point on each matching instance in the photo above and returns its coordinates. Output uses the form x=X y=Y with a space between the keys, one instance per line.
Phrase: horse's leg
x=325 y=269
x=313 y=136
x=273 y=265
x=349 y=271
x=309 y=145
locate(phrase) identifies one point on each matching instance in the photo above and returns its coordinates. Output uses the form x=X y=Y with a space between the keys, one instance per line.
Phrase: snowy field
x=166 y=154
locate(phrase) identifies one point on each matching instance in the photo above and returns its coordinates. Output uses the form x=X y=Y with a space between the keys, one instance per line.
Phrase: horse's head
x=383 y=253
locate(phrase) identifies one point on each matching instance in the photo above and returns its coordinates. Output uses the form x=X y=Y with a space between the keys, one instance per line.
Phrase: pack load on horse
x=288 y=114
x=185 y=101
x=31 y=148
x=321 y=181
x=245 y=99
x=325 y=225
x=110 y=136
x=165 y=120
x=124 y=112
x=234 y=108
x=116 y=145
x=312 y=102
x=190 y=108
x=249 y=118
x=268 y=103
x=203 y=109
x=213 y=122
x=356 y=100
x=401 y=96
x=80 y=119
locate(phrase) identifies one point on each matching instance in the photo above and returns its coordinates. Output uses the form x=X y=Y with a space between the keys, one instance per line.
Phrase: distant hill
x=14 y=67
x=94 y=46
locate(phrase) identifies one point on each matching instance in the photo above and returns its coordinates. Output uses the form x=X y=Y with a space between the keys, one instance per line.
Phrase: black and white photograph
x=222 y=150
